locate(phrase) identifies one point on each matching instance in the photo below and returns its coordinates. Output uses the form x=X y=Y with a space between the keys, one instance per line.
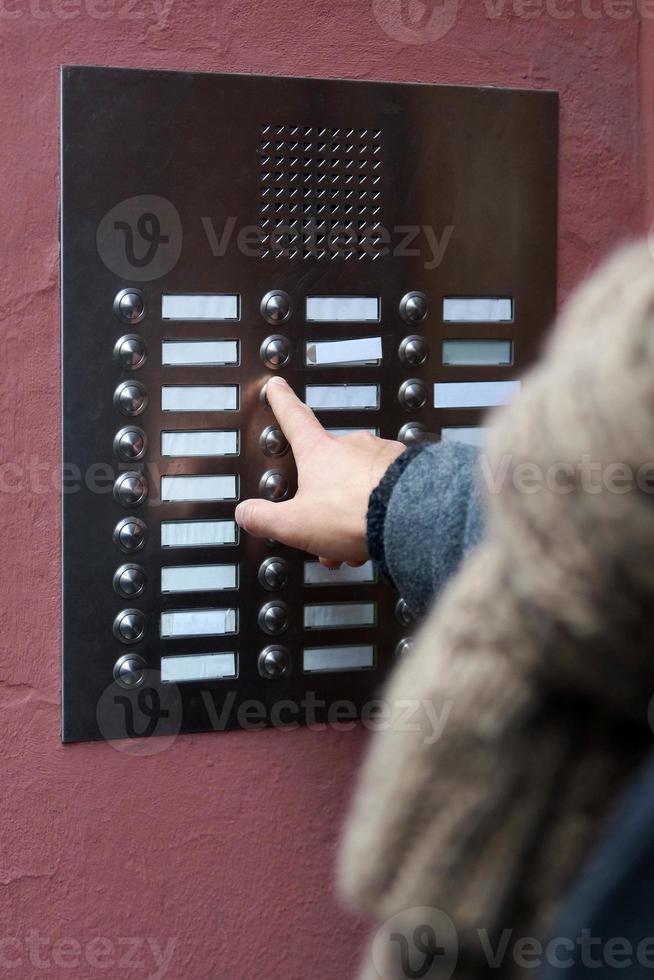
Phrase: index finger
x=297 y=421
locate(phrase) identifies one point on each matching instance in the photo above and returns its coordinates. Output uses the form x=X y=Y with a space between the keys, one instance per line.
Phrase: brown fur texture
x=540 y=648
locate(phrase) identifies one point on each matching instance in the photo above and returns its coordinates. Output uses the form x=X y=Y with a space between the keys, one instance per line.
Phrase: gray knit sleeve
x=424 y=516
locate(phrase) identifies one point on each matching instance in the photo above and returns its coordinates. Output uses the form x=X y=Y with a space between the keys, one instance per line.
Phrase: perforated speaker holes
x=321 y=192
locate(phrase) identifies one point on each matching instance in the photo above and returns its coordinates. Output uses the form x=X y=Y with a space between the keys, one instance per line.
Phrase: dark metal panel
x=477 y=166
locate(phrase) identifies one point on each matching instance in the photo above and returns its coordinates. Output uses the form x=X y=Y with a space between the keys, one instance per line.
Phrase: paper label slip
x=360 y=350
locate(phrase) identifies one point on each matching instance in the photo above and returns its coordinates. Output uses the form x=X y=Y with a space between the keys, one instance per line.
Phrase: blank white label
x=198 y=534
x=363 y=350
x=333 y=309
x=326 y=659
x=198 y=578
x=198 y=622
x=348 y=431
x=200 y=306
x=342 y=397
x=199 y=488
x=338 y=614
x=199 y=398
x=196 y=352
x=317 y=574
x=471 y=352
x=198 y=667
x=477 y=309
x=474 y=394
x=472 y=435
x=202 y=442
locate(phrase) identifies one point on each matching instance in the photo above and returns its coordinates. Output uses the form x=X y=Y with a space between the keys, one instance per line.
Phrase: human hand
x=336 y=475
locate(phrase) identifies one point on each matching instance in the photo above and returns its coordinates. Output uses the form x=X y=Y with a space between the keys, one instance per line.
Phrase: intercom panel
x=390 y=249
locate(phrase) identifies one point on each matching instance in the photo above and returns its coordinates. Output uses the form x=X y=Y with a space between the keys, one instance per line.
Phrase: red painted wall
x=221 y=844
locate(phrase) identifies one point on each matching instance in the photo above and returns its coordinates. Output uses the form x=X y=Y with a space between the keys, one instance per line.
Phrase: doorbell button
x=273 y=485
x=412 y=394
x=130 y=534
x=129 y=671
x=130 y=489
x=276 y=306
x=129 y=625
x=129 y=581
x=130 y=398
x=403 y=614
x=414 y=307
x=412 y=433
x=129 y=305
x=130 y=352
x=274 y=574
x=404 y=647
x=272 y=441
x=130 y=443
x=275 y=352
x=413 y=351
x=274 y=662
x=273 y=617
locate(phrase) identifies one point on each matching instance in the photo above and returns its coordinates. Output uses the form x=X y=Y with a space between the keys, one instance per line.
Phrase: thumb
x=265 y=519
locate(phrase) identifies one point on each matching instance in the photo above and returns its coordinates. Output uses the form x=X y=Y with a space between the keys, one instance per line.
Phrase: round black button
x=130 y=352
x=129 y=625
x=129 y=581
x=413 y=395
x=275 y=352
x=130 y=534
x=413 y=351
x=414 y=307
x=412 y=433
x=129 y=305
x=130 y=443
x=273 y=441
x=276 y=306
x=403 y=613
x=404 y=647
x=130 y=489
x=273 y=617
x=274 y=574
x=131 y=398
x=274 y=662
x=129 y=670
x=273 y=485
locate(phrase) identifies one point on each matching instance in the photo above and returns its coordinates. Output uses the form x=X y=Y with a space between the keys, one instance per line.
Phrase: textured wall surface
x=216 y=855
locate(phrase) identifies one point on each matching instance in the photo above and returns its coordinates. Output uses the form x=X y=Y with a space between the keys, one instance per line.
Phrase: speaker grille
x=321 y=192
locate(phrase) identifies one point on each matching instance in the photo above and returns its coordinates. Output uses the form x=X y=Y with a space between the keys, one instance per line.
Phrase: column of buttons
x=274 y=662
x=413 y=352
x=130 y=488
